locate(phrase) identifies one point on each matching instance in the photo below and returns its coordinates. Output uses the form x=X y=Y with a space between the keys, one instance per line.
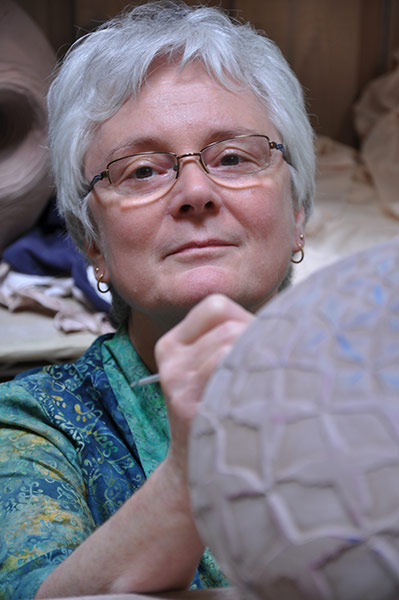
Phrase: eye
x=139 y=169
x=236 y=159
x=142 y=172
x=230 y=160
x=142 y=169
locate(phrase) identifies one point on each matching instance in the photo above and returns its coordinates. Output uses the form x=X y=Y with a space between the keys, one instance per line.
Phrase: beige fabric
x=377 y=123
x=349 y=215
x=28 y=337
x=357 y=193
x=26 y=62
x=57 y=297
x=380 y=153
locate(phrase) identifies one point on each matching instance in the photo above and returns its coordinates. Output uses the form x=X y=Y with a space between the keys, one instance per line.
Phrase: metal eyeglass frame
x=105 y=174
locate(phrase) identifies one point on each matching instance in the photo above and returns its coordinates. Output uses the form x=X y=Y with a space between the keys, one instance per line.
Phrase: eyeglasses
x=148 y=175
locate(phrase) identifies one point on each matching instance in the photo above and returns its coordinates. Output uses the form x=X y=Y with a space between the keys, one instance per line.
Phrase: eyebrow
x=218 y=135
x=135 y=145
x=146 y=143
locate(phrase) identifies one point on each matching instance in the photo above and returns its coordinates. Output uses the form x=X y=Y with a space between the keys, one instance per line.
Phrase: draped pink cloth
x=26 y=63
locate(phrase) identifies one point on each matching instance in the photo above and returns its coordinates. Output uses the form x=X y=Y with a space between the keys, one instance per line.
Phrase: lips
x=198 y=244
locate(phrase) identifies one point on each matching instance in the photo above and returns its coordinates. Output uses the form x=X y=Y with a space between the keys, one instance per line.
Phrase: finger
x=206 y=315
x=197 y=361
x=214 y=322
x=220 y=338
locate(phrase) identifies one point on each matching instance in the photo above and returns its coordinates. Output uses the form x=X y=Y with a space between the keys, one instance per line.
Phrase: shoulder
x=42 y=391
x=61 y=375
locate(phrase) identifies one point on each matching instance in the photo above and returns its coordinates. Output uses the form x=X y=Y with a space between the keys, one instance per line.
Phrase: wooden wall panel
x=334 y=46
x=88 y=13
x=63 y=21
x=55 y=18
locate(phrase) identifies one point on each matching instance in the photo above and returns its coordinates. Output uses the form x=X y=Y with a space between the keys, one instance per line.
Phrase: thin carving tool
x=146 y=380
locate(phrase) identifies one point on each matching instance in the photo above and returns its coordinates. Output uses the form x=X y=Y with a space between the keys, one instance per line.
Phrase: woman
x=184 y=167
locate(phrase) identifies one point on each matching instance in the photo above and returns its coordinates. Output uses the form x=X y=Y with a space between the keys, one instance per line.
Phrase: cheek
x=268 y=211
x=124 y=234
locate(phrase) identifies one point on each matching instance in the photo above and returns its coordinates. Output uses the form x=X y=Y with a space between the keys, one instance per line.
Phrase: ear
x=299 y=228
x=97 y=259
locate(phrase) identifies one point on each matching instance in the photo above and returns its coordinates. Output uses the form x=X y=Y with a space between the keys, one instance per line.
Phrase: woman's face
x=200 y=237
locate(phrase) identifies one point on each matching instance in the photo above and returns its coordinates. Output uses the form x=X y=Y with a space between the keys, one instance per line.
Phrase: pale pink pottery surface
x=294 y=455
x=26 y=63
x=216 y=594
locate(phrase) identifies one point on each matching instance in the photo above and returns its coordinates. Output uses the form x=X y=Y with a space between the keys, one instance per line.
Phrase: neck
x=144 y=332
x=146 y=329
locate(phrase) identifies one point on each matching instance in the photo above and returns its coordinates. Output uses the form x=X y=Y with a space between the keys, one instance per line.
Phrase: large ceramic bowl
x=294 y=455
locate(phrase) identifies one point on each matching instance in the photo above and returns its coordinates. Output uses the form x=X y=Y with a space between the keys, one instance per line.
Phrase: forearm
x=150 y=544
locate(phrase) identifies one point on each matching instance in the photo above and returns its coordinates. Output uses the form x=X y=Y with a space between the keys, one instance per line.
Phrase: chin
x=192 y=297
x=196 y=284
x=250 y=301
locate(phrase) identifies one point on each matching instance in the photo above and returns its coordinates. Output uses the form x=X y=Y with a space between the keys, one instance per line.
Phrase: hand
x=187 y=357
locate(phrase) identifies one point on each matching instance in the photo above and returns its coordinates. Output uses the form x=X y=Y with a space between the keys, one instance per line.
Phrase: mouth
x=199 y=246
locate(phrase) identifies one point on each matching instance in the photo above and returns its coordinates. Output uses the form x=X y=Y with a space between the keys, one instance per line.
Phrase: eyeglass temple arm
x=276 y=146
x=96 y=178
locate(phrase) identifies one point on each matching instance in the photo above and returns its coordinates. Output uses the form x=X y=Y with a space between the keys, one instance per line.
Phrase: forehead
x=179 y=110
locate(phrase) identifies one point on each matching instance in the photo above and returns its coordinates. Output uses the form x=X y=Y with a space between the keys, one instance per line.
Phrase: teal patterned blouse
x=76 y=441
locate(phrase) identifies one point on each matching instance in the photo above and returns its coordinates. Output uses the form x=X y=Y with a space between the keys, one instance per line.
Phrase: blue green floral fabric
x=76 y=441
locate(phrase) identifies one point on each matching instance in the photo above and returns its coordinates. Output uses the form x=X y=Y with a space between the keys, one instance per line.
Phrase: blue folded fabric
x=47 y=249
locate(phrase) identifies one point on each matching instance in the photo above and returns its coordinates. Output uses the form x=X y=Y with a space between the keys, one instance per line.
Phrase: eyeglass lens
x=233 y=159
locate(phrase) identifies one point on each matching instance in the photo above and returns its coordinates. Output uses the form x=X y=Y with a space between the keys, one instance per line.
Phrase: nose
x=194 y=192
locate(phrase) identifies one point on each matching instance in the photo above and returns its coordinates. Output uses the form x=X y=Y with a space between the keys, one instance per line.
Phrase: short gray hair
x=109 y=65
x=106 y=67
